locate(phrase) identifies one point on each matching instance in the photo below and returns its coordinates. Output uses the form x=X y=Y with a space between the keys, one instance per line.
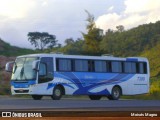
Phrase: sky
x=67 y=18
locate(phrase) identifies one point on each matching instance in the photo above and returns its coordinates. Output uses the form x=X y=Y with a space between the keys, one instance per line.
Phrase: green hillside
x=153 y=56
x=131 y=42
x=7 y=50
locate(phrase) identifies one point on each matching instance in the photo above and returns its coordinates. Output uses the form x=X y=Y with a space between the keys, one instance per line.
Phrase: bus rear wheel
x=95 y=97
x=37 y=97
x=116 y=93
x=57 y=93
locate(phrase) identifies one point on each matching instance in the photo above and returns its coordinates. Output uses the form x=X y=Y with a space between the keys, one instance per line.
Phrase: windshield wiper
x=21 y=73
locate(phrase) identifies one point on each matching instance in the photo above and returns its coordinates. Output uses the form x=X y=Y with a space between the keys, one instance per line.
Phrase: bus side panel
x=41 y=89
x=80 y=83
x=88 y=83
x=138 y=84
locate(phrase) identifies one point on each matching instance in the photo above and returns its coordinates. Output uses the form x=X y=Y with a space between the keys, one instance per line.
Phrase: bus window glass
x=42 y=69
x=116 y=67
x=133 y=67
x=141 y=68
x=127 y=67
x=64 y=65
x=81 y=65
x=100 y=66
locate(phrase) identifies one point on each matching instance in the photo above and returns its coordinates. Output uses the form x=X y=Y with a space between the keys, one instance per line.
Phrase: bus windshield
x=22 y=69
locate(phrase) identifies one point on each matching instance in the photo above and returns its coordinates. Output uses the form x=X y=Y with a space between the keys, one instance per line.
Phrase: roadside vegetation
x=7 y=50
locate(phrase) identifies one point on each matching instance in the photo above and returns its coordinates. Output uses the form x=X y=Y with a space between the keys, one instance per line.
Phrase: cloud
x=136 y=12
x=11 y=9
x=104 y=21
x=140 y=6
x=110 y=8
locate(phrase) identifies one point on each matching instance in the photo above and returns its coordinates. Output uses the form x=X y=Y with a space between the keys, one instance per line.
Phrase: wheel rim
x=116 y=93
x=57 y=92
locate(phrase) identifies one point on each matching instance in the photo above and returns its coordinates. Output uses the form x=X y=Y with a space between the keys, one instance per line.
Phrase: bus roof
x=86 y=57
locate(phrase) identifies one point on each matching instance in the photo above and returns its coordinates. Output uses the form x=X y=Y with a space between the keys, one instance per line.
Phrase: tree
x=120 y=28
x=42 y=40
x=93 y=36
x=59 y=45
x=73 y=47
x=69 y=41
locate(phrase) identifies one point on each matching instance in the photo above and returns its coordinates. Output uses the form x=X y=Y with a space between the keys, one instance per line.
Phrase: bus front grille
x=21 y=91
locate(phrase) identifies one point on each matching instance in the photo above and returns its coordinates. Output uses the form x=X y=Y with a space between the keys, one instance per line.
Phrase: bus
x=56 y=75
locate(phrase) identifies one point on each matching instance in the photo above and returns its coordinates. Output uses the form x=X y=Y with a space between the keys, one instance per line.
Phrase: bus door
x=45 y=74
x=45 y=70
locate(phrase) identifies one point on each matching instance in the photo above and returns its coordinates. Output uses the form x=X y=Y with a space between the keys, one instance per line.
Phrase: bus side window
x=127 y=67
x=116 y=67
x=100 y=66
x=133 y=67
x=42 y=69
x=141 y=68
x=81 y=65
x=64 y=65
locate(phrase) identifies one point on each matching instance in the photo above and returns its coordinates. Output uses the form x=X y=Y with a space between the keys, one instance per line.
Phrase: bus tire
x=95 y=97
x=116 y=93
x=57 y=93
x=37 y=97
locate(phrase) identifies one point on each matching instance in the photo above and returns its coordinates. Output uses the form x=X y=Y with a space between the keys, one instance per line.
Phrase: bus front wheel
x=116 y=93
x=57 y=93
x=37 y=97
x=95 y=97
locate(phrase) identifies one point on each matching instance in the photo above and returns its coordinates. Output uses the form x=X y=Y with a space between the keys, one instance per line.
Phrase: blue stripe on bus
x=132 y=59
x=94 y=80
x=51 y=85
x=22 y=84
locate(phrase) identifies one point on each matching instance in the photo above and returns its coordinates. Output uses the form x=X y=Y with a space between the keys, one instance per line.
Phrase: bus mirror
x=35 y=65
x=9 y=66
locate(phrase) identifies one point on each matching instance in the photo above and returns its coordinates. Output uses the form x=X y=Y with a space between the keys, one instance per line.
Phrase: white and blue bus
x=95 y=76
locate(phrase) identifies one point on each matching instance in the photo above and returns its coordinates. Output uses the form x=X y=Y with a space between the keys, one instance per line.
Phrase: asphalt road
x=80 y=107
x=47 y=104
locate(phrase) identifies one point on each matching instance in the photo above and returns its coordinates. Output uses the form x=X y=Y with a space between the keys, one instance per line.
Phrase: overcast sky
x=66 y=18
